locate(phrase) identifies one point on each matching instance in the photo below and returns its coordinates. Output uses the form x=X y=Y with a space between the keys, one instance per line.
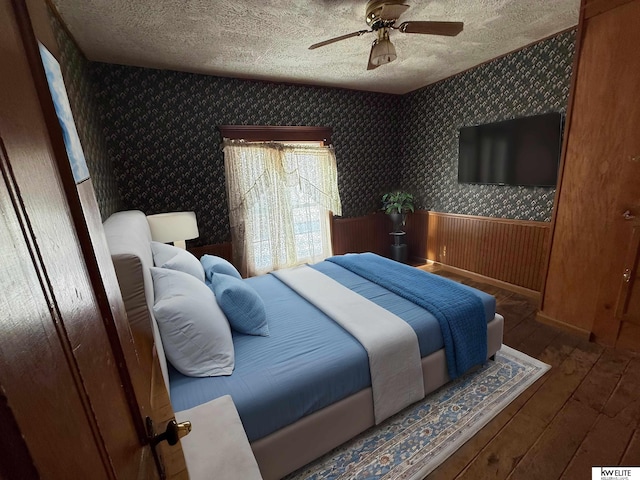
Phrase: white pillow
x=194 y=330
x=174 y=258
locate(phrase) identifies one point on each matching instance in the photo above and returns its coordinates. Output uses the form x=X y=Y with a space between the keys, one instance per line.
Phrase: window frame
x=285 y=135
x=277 y=133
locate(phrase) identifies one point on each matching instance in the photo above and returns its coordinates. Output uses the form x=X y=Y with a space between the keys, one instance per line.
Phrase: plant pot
x=398 y=220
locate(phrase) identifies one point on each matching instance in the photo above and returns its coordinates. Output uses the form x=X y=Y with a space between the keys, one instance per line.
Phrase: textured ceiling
x=269 y=39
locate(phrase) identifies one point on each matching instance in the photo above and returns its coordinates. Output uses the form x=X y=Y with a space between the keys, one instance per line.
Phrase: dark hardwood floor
x=584 y=412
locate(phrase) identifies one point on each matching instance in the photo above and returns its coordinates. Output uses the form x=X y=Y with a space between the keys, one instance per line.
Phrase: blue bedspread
x=460 y=313
x=308 y=362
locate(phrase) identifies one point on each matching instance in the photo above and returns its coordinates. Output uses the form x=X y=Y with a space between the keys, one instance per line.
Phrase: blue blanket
x=459 y=312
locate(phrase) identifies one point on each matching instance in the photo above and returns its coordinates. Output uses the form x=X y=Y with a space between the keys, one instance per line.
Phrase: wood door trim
x=546 y=319
x=597 y=7
x=563 y=155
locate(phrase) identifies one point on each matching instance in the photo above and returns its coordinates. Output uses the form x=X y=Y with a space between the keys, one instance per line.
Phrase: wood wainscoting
x=417 y=229
x=223 y=250
x=369 y=233
x=512 y=251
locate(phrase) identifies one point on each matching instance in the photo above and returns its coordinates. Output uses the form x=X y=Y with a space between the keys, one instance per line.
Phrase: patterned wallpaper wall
x=155 y=145
x=531 y=81
x=161 y=134
x=82 y=98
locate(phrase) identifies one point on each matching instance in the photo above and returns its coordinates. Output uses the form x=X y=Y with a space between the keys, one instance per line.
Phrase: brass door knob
x=174 y=432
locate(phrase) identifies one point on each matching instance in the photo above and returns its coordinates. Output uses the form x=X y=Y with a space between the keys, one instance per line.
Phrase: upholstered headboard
x=129 y=240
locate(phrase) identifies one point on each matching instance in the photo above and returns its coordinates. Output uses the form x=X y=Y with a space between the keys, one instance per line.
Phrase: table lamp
x=173 y=227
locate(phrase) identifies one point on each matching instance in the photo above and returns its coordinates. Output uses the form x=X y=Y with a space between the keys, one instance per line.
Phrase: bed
x=310 y=385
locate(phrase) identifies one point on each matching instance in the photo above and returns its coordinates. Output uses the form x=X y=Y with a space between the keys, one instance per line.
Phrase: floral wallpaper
x=82 y=97
x=152 y=143
x=527 y=82
x=161 y=135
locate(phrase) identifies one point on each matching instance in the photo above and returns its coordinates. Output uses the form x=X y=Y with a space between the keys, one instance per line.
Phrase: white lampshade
x=173 y=227
x=383 y=52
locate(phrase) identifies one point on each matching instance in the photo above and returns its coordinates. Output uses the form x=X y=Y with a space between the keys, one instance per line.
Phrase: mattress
x=308 y=362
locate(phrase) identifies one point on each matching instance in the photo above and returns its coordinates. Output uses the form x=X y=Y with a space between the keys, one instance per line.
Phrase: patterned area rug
x=415 y=441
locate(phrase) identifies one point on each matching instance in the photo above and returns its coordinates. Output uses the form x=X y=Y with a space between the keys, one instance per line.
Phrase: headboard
x=129 y=240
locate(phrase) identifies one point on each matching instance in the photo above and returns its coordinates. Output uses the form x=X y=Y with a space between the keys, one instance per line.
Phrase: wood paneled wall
x=417 y=229
x=369 y=233
x=223 y=250
x=512 y=251
x=361 y=234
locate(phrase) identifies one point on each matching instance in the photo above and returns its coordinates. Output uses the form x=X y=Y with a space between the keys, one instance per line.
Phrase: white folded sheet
x=390 y=342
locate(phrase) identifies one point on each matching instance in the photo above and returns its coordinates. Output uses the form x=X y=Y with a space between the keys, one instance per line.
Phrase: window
x=280 y=198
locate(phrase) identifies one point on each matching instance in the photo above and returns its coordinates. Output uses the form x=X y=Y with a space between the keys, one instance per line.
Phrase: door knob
x=627 y=275
x=628 y=216
x=174 y=432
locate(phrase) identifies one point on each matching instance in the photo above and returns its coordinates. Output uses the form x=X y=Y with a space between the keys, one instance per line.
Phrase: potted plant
x=396 y=205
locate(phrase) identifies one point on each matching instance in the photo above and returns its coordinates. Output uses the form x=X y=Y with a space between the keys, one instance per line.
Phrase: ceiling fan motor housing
x=383 y=13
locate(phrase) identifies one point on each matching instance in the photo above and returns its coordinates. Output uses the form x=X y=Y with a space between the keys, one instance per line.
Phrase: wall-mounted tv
x=522 y=151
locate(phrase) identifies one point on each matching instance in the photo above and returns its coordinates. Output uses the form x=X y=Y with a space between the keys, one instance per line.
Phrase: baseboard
x=542 y=318
x=417 y=261
x=526 y=292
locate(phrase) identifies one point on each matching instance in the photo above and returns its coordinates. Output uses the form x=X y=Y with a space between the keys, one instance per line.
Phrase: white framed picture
x=63 y=111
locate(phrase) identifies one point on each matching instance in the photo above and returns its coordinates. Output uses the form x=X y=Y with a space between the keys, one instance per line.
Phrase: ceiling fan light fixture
x=383 y=51
x=381 y=17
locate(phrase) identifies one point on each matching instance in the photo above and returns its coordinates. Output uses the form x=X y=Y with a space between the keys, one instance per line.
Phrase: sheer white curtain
x=280 y=197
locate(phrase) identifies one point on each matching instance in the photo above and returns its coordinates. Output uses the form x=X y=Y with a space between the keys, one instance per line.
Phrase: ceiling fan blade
x=370 y=65
x=392 y=12
x=450 y=29
x=337 y=39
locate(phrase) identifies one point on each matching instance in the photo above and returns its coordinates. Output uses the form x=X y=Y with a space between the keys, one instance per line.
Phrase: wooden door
x=628 y=304
x=601 y=174
x=620 y=148
x=67 y=360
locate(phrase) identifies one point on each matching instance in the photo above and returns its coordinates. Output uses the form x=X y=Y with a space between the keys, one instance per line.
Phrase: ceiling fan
x=381 y=16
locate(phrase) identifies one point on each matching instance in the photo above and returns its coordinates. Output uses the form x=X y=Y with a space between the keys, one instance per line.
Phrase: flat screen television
x=522 y=151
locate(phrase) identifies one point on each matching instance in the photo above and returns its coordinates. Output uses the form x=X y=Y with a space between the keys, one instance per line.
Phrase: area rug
x=412 y=443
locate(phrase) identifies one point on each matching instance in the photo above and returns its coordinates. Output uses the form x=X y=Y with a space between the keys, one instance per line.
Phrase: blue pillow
x=241 y=304
x=212 y=264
